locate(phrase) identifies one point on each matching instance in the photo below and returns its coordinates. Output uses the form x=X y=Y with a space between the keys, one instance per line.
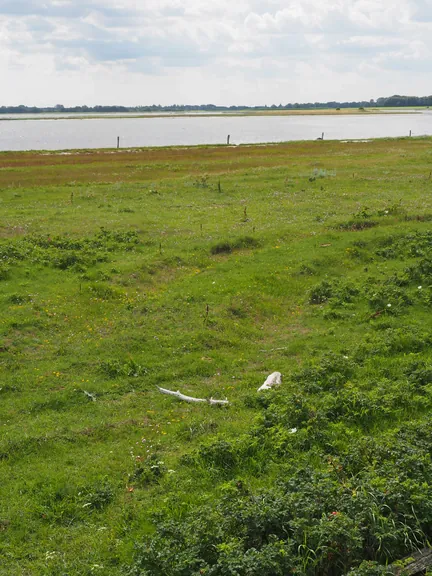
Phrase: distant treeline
x=391 y=101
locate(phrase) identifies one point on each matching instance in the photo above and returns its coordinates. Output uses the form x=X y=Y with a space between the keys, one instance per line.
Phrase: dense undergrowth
x=318 y=265
x=340 y=495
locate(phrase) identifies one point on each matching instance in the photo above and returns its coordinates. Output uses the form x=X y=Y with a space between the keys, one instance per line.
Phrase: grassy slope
x=70 y=502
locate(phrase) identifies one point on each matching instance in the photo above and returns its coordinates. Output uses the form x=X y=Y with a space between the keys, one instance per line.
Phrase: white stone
x=274 y=379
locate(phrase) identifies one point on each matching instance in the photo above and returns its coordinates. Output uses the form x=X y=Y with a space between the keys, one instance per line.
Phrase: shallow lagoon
x=68 y=133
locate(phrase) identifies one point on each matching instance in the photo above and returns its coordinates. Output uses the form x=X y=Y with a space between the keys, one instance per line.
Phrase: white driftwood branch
x=181 y=396
x=214 y=402
x=275 y=349
x=274 y=379
x=417 y=563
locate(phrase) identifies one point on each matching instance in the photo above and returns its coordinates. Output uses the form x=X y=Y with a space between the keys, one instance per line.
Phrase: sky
x=224 y=52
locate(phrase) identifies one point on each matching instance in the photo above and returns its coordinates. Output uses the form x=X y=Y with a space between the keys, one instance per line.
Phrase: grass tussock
x=243 y=243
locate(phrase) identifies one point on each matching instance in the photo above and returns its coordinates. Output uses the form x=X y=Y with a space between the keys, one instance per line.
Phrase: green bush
x=4 y=272
x=244 y=242
x=148 y=471
x=117 y=369
x=369 y=568
x=321 y=292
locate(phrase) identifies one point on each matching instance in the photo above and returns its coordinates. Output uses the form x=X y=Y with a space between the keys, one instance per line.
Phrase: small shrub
x=221 y=248
x=244 y=242
x=371 y=568
x=418 y=217
x=387 y=253
x=219 y=454
x=388 y=298
x=421 y=271
x=392 y=210
x=97 y=497
x=345 y=294
x=321 y=292
x=149 y=471
x=117 y=369
x=355 y=225
x=323 y=173
x=362 y=214
x=4 y=273
x=332 y=314
x=195 y=428
x=65 y=261
x=19 y=299
x=67 y=505
x=331 y=371
x=104 y=291
x=419 y=373
x=201 y=182
x=306 y=270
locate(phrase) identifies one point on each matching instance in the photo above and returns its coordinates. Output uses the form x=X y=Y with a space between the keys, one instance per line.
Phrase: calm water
x=50 y=134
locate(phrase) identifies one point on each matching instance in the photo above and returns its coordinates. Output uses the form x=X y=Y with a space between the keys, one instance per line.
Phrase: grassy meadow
x=204 y=270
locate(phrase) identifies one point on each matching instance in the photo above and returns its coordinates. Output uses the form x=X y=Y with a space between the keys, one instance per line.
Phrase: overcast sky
x=135 y=52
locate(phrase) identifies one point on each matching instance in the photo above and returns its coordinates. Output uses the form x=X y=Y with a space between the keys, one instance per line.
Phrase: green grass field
x=204 y=270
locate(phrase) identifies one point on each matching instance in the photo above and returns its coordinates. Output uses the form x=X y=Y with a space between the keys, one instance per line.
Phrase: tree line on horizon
x=391 y=101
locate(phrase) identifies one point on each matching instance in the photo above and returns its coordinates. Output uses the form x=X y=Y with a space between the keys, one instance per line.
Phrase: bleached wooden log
x=274 y=379
x=181 y=396
x=214 y=402
x=415 y=564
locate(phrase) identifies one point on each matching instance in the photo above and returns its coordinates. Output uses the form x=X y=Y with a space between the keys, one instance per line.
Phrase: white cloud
x=224 y=51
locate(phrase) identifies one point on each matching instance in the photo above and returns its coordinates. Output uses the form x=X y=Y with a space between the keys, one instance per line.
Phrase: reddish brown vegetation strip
x=107 y=166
